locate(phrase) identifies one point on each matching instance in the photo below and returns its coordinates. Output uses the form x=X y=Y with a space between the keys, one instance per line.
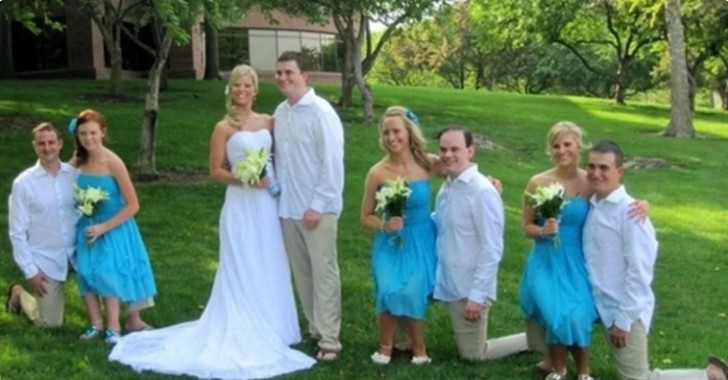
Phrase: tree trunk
x=212 y=53
x=681 y=123
x=692 y=90
x=347 y=79
x=620 y=85
x=146 y=161
x=7 y=65
x=722 y=90
x=115 y=58
x=366 y=92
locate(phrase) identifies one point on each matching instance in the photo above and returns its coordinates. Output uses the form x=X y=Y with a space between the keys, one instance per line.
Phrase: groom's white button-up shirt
x=620 y=255
x=309 y=157
x=469 y=218
x=42 y=221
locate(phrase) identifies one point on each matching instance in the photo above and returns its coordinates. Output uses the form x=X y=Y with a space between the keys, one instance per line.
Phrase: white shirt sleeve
x=330 y=141
x=640 y=252
x=19 y=222
x=489 y=222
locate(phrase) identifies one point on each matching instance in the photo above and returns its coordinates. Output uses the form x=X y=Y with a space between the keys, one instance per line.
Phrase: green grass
x=178 y=219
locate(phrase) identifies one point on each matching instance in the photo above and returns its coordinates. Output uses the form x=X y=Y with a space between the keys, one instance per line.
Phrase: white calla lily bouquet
x=547 y=202
x=252 y=168
x=391 y=199
x=87 y=199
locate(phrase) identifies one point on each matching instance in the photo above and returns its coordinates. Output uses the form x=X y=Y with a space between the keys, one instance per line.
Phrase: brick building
x=78 y=50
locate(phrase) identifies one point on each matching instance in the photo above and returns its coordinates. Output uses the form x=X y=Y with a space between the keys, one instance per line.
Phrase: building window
x=233 y=47
x=45 y=51
x=323 y=50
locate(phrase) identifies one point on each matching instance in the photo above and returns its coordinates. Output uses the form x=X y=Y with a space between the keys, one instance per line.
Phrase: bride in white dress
x=250 y=318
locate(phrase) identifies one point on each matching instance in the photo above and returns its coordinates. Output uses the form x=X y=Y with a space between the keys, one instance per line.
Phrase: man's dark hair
x=301 y=60
x=608 y=146
x=457 y=128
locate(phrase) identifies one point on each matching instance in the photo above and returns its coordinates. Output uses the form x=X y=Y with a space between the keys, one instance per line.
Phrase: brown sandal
x=327 y=355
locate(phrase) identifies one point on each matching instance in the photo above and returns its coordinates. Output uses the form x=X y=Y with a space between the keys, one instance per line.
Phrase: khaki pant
x=536 y=337
x=631 y=361
x=46 y=311
x=313 y=258
x=472 y=337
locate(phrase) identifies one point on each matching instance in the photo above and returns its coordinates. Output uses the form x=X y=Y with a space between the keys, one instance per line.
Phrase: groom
x=620 y=256
x=309 y=141
x=470 y=221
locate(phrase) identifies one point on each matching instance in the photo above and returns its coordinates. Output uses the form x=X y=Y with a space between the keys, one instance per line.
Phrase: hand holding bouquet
x=547 y=202
x=86 y=201
x=252 y=168
x=391 y=199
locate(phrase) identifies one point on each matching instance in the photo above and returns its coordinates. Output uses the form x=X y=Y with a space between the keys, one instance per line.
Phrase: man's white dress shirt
x=469 y=218
x=42 y=221
x=309 y=157
x=620 y=256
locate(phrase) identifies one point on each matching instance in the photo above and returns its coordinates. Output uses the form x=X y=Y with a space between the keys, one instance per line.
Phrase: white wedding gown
x=250 y=318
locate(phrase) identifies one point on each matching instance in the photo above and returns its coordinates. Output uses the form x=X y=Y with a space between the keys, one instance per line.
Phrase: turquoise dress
x=116 y=264
x=555 y=289
x=403 y=263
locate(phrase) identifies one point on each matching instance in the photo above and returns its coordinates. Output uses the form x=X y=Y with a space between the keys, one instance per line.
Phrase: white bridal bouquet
x=87 y=199
x=391 y=199
x=252 y=168
x=547 y=202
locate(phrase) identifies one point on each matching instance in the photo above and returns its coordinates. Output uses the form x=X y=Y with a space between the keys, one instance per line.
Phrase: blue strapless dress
x=403 y=263
x=117 y=264
x=555 y=289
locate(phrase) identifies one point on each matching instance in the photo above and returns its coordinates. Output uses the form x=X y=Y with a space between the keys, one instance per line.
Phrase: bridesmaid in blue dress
x=555 y=291
x=111 y=259
x=403 y=250
x=555 y=294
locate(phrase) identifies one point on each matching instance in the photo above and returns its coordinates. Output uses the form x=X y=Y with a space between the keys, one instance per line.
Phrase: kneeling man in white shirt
x=469 y=218
x=620 y=256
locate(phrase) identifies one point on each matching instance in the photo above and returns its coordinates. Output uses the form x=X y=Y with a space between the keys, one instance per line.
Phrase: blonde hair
x=417 y=142
x=238 y=72
x=561 y=129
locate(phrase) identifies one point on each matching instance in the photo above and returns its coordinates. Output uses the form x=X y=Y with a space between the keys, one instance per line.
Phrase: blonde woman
x=250 y=318
x=555 y=294
x=403 y=250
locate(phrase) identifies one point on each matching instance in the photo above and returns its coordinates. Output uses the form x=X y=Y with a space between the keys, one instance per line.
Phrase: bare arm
x=218 y=169
x=367 y=217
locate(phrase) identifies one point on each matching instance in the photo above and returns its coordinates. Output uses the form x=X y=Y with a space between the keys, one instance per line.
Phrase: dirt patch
x=648 y=163
x=482 y=141
x=108 y=98
x=18 y=123
x=190 y=176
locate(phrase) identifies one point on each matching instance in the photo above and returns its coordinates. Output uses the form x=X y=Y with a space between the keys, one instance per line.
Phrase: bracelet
x=540 y=232
x=381 y=225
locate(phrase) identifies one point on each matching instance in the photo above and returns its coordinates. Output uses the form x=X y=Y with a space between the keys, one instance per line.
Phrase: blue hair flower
x=411 y=115
x=72 y=125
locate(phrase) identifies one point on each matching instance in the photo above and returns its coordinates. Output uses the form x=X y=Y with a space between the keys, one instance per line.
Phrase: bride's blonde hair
x=238 y=72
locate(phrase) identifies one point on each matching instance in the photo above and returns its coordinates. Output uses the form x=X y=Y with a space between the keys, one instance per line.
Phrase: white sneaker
x=421 y=360
x=380 y=359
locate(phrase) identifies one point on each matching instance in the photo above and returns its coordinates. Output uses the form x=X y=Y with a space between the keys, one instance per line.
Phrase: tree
x=212 y=52
x=168 y=18
x=28 y=13
x=681 y=123
x=706 y=32
x=352 y=18
x=624 y=27
x=109 y=16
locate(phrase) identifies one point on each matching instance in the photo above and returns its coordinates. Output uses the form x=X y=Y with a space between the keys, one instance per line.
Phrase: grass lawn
x=178 y=219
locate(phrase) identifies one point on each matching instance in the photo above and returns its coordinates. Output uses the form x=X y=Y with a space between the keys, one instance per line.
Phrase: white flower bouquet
x=87 y=199
x=547 y=202
x=252 y=168
x=391 y=199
